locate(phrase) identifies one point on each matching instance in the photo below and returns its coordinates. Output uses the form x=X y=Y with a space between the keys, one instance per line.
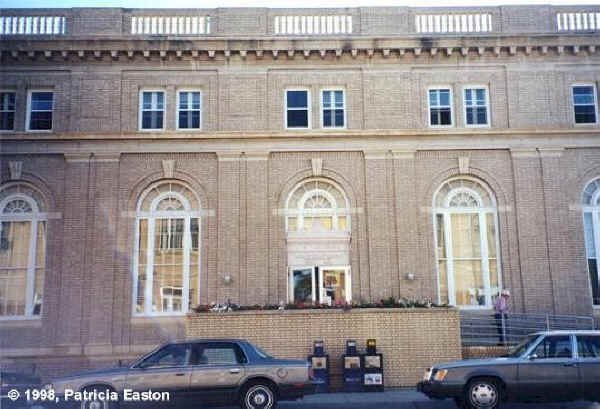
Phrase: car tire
x=482 y=393
x=98 y=404
x=258 y=395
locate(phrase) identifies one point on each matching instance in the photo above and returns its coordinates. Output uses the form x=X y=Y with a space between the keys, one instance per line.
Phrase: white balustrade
x=176 y=25
x=453 y=23
x=312 y=25
x=32 y=25
x=578 y=21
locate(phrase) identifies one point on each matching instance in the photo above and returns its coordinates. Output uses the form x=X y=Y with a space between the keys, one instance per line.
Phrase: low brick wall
x=410 y=339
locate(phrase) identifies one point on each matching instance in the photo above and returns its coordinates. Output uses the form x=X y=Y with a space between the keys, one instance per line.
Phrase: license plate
x=373 y=379
x=427 y=375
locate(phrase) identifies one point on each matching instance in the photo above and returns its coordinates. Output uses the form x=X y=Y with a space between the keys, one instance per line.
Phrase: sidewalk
x=389 y=396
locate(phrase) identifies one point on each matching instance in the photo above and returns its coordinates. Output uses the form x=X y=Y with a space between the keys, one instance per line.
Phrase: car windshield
x=262 y=353
x=520 y=349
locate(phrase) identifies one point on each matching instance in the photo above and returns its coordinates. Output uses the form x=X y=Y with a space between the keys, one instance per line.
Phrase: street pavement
x=403 y=399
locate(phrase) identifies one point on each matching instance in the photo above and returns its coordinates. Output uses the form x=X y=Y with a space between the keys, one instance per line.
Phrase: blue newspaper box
x=352 y=370
x=372 y=363
x=319 y=361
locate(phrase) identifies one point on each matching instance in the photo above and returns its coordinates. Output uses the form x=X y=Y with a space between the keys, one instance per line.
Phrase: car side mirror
x=532 y=357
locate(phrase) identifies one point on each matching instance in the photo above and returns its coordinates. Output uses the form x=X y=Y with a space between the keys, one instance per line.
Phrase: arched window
x=22 y=251
x=317 y=205
x=466 y=232
x=591 y=223
x=167 y=253
x=318 y=236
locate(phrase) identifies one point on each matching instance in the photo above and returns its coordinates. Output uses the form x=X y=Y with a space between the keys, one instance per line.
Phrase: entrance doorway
x=329 y=285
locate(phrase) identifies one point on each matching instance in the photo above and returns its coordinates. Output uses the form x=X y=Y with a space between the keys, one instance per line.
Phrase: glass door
x=334 y=285
x=302 y=285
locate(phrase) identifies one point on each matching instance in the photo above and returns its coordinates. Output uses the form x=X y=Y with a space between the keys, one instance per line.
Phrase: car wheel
x=259 y=395
x=482 y=393
x=98 y=403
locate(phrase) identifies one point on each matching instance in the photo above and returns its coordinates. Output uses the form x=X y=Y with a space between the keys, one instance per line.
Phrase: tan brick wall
x=411 y=340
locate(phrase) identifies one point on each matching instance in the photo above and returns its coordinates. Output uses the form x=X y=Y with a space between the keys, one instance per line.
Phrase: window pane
x=297 y=119
x=14 y=256
x=7 y=101
x=481 y=96
x=160 y=97
x=152 y=120
x=167 y=288
x=339 y=99
x=41 y=101
x=196 y=100
x=40 y=264
x=142 y=265
x=491 y=234
x=433 y=97
x=466 y=240
x=585 y=114
x=583 y=94
x=468 y=282
x=40 y=121
x=444 y=97
x=183 y=100
x=339 y=117
x=481 y=116
x=468 y=97
x=334 y=286
x=183 y=119
x=326 y=99
x=171 y=355
x=194 y=263
x=302 y=282
x=588 y=227
x=554 y=347
x=327 y=118
x=147 y=100
x=594 y=282
x=440 y=237
x=588 y=346
x=443 y=277
x=7 y=121
x=297 y=99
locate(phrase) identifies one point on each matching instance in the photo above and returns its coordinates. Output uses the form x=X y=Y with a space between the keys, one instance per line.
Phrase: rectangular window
x=41 y=105
x=297 y=111
x=476 y=107
x=584 y=104
x=333 y=107
x=7 y=111
x=189 y=110
x=588 y=346
x=440 y=107
x=152 y=110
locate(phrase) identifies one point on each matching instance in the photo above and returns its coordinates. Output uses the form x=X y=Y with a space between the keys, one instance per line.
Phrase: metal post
x=503 y=328
x=547 y=322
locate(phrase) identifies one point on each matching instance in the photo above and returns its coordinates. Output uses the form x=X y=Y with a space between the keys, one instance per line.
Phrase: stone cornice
x=211 y=48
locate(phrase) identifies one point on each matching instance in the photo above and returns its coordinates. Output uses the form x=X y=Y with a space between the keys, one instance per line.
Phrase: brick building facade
x=154 y=160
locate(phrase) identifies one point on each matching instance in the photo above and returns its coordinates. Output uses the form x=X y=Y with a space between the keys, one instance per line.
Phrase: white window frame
x=11 y=91
x=291 y=270
x=189 y=110
x=141 y=110
x=35 y=217
x=487 y=105
x=595 y=92
x=482 y=212
x=187 y=215
x=308 y=107
x=334 y=108
x=348 y=280
x=429 y=107
x=595 y=212
x=28 y=116
x=340 y=209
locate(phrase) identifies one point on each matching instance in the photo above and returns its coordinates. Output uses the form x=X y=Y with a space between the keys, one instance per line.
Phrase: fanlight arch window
x=22 y=251
x=467 y=251
x=167 y=251
x=317 y=205
x=591 y=224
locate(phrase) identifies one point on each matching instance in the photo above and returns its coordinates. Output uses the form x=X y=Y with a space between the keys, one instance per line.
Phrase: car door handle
x=180 y=374
x=234 y=370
